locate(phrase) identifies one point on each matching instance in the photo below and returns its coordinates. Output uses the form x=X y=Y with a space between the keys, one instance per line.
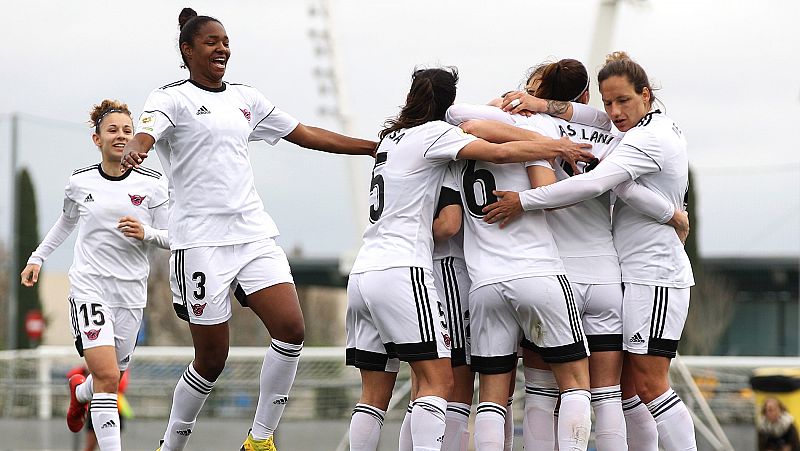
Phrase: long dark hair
x=431 y=94
x=564 y=80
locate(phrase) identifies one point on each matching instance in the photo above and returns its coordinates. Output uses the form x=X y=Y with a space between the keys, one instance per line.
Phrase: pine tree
x=27 y=227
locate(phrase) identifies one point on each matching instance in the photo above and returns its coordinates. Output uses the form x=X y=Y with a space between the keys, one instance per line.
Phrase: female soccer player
x=219 y=231
x=117 y=213
x=656 y=272
x=394 y=312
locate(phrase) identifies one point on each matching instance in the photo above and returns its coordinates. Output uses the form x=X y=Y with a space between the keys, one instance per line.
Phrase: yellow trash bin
x=780 y=383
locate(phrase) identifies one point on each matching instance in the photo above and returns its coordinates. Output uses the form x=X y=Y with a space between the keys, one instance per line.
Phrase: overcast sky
x=728 y=73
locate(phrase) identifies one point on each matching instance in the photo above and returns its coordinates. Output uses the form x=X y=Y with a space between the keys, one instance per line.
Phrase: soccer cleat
x=76 y=413
x=251 y=444
x=160 y=443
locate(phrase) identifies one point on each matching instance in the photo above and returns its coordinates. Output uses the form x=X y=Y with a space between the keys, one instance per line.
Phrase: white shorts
x=201 y=277
x=394 y=314
x=601 y=314
x=653 y=319
x=95 y=324
x=539 y=309
x=452 y=283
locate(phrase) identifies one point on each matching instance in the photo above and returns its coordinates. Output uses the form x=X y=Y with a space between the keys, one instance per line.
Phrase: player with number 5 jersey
x=394 y=312
x=117 y=213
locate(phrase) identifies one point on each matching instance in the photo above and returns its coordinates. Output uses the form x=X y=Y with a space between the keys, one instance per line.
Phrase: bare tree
x=711 y=311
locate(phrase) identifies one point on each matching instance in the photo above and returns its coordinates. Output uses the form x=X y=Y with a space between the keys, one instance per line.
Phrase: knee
x=210 y=364
x=105 y=381
x=650 y=388
x=293 y=332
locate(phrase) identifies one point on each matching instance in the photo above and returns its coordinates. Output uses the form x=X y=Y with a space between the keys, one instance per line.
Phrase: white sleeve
x=574 y=189
x=445 y=142
x=462 y=112
x=156 y=237
x=159 y=218
x=645 y=201
x=587 y=115
x=158 y=116
x=58 y=233
x=268 y=122
x=639 y=153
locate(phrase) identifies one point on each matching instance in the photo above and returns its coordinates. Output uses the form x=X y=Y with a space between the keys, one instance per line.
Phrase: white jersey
x=524 y=248
x=454 y=247
x=582 y=231
x=410 y=166
x=202 y=139
x=107 y=266
x=654 y=154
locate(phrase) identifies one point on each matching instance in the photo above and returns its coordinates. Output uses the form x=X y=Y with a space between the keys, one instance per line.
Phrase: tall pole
x=13 y=281
x=330 y=77
x=601 y=45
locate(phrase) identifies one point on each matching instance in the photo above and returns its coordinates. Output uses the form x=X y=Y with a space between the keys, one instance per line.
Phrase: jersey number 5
x=478 y=187
x=375 y=211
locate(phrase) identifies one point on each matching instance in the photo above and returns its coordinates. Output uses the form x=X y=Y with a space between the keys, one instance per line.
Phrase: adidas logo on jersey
x=109 y=424
x=88 y=199
x=636 y=338
x=281 y=401
x=184 y=432
x=203 y=110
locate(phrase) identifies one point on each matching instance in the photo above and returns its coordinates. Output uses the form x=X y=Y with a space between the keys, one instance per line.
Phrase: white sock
x=508 y=427
x=490 y=427
x=191 y=392
x=640 y=426
x=85 y=391
x=574 y=420
x=406 y=442
x=277 y=377
x=609 y=422
x=541 y=397
x=675 y=425
x=365 y=427
x=456 y=435
x=105 y=418
x=427 y=423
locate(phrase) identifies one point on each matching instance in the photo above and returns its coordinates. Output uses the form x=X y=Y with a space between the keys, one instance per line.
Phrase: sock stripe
x=510 y=401
x=430 y=408
x=617 y=394
x=577 y=391
x=491 y=408
x=458 y=410
x=539 y=391
x=284 y=351
x=102 y=404
x=195 y=383
x=369 y=410
x=410 y=407
x=664 y=406
x=631 y=403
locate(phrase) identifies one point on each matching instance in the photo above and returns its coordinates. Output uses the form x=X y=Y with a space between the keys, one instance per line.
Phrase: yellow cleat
x=251 y=444
x=160 y=442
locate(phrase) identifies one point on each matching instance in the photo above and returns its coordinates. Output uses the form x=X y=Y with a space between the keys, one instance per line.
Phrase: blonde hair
x=106 y=107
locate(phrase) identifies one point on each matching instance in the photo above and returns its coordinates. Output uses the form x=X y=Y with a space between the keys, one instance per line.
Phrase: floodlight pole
x=13 y=308
x=601 y=45
x=326 y=48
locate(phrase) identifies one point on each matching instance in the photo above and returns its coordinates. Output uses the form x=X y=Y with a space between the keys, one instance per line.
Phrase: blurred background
x=727 y=73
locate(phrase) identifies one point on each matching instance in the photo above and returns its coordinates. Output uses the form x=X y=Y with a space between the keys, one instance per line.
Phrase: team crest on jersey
x=136 y=199
x=246 y=113
x=447 y=341
x=92 y=334
x=197 y=309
